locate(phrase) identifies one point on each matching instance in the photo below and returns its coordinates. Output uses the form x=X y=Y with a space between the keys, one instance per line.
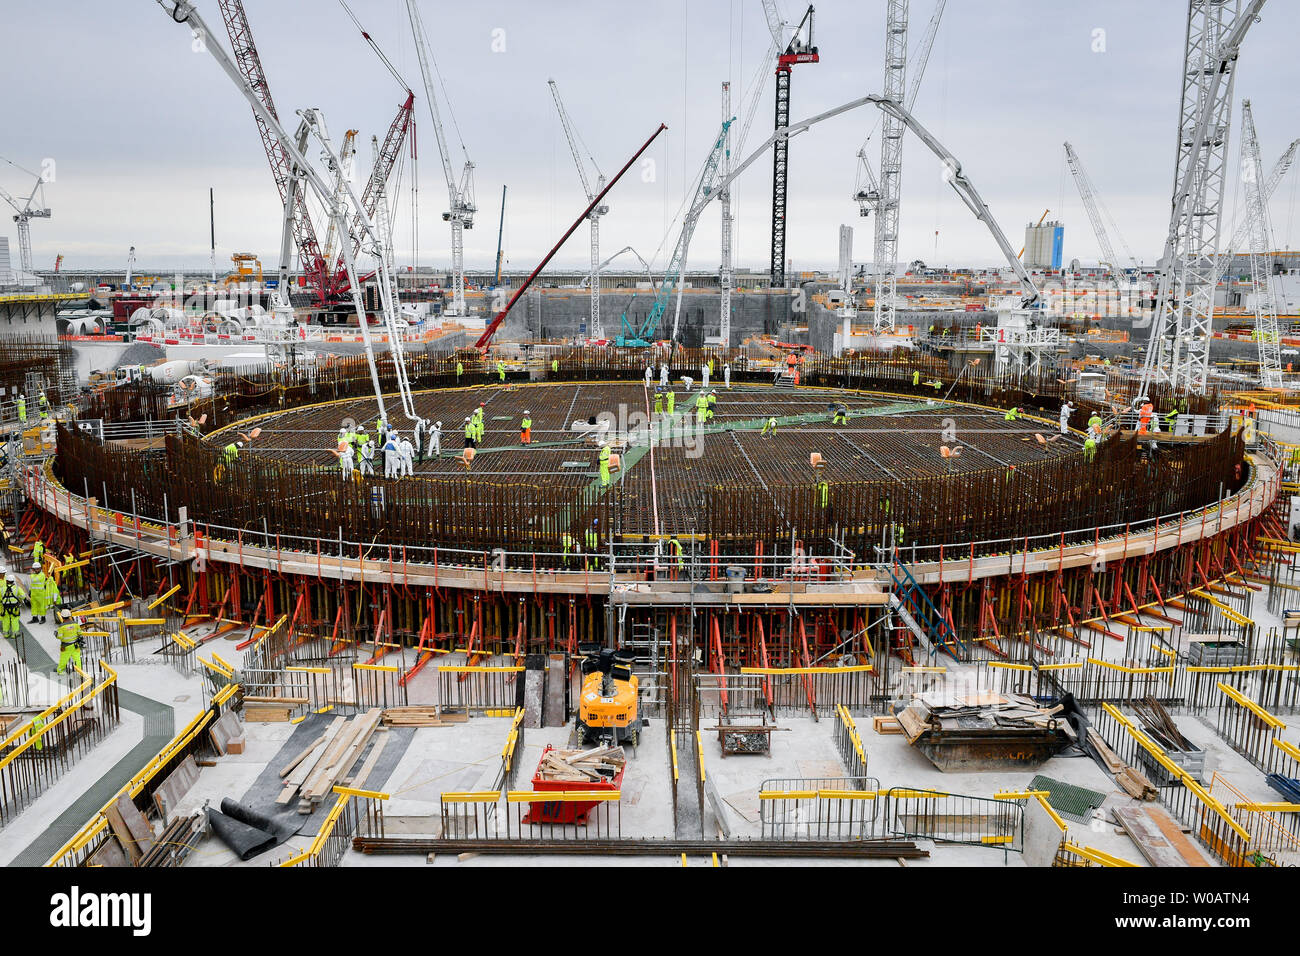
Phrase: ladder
x=920 y=615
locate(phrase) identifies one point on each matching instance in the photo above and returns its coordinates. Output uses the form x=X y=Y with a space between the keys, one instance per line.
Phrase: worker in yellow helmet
x=70 y=641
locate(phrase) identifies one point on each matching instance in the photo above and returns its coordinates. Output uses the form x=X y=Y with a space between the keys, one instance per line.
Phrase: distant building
x=1043 y=245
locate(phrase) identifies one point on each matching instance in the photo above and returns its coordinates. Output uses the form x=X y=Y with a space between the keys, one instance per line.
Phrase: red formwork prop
x=567 y=812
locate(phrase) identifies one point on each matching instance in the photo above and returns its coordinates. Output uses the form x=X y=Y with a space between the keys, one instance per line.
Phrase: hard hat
x=36 y=565
x=466 y=418
x=595 y=521
x=63 y=614
x=527 y=412
x=9 y=576
x=440 y=424
x=240 y=444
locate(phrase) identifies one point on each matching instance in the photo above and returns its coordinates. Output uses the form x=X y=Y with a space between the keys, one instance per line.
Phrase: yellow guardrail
x=99 y=821
x=1239 y=698
x=37 y=734
x=1096 y=856
x=471 y=796
x=1230 y=613
x=158 y=600
x=467 y=669
x=699 y=747
x=564 y=796
x=1167 y=669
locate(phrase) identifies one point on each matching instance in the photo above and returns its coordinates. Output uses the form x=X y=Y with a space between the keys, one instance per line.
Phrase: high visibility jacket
x=823 y=494
x=69 y=633
x=676 y=547
x=526 y=423
x=604 y=456
x=592 y=540
x=460 y=369
x=231 y=453
x=555 y=365
x=470 y=430
x=12 y=598
x=916 y=378
x=38 y=551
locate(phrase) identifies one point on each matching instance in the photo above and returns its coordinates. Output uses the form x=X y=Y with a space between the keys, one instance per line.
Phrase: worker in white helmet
x=11 y=606
x=435 y=440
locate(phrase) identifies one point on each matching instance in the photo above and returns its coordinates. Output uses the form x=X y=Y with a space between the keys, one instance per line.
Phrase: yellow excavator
x=608 y=710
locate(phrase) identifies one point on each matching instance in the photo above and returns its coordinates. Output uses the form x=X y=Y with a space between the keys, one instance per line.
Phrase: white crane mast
x=1239 y=234
x=1179 y=349
x=347 y=157
x=866 y=191
x=593 y=220
x=885 y=257
x=460 y=195
x=1267 y=333
x=26 y=212
x=726 y=271
x=1088 y=194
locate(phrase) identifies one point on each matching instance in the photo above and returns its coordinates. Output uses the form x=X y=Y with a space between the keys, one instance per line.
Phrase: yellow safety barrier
x=1168 y=669
x=564 y=796
x=1007 y=665
x=1096 y=856
x=787 y=794
x=466 y=669
x=1288 y=748
x=915 y=794
x=699 y=746
x=1051 y=812
x=312 y=670
x=354 y=792
x=846 y=794
x=1020 y=794
x=325 y=830
x=471 y=796
x=158 y=600
x=1269 y=807
x=1238 y=697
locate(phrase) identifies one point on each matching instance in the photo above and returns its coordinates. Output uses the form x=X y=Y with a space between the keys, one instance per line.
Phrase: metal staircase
x=922 y=618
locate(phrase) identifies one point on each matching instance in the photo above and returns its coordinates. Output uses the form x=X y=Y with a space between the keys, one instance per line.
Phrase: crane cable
x=375 y=46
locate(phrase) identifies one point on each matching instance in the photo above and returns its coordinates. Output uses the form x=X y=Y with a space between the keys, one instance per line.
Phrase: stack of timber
x=420 y=716
x=592 y=766
x=267 y=710
x=1131 y=780
x=312 y=775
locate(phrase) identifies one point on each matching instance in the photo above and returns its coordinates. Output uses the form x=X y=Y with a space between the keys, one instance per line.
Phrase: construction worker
x=649 y=375
x=726 y=376
x=675 y=549
x=1171 y=420
x=1066 y=411
x=405 y=456
x=38 y=551
x=22 y=408
x=1144 y=416
x=769 y=428
x=663 y=374
x=701 y=413
x=72 y=574
x=916 y=377
x=569 y=544
x=822 y=494
x=360 y=438
x=344 y=453
x=460 y=370
x=526 y=428
x=501 y=371
x=1094 y=426
x=710 y=366
x=592 y=541
x=604 y=465
x=44 y=404
x=366 y=458
x=1011 y=415
x=435 y=441
x=11 y=606
x=555 y=366
x=392 y=456
x=421 y=430
x=841 y=416
x=659 y=402
x=1089 y=448
x=43 y=593
x=230 y=454
x=704 y=378
x=470 y=432
x=70 y=641
x=671 y=402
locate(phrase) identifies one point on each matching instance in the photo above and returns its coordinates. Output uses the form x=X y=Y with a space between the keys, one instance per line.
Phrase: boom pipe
x=500 y=316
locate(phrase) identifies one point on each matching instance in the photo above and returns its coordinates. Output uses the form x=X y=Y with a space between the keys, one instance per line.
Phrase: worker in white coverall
x=649 y=374
x=663 y=373
x=704 y=376
x=435 y=440
x=391 y=456
x=345 y=459
x=726 y=376
x=1066 y=410
x=405 y=458
x=366 y=463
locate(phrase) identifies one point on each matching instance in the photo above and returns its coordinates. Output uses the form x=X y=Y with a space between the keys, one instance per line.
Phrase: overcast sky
x=138 y=125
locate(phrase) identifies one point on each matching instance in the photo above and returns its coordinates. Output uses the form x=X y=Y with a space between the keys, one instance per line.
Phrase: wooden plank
x=359 y=780
x=1179 y=840
x=123 y=834
x=288 y=768
x=348 y=747
x=298 y=776
x=173 y=789
x=1147 y=835
x=138 y=828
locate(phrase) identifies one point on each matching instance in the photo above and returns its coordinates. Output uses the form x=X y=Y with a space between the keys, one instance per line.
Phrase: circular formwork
x=671 y=468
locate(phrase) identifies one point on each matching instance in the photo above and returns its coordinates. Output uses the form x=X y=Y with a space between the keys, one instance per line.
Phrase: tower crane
x=26 y=210
x=460 y=193
x=1267 y=333
x=183 y=12
x=1179 y=348
x=866 y=191
x=1275 y=175
x=1092 y=203
x=344 y=170
x=593 y=218
x=798 y=49
x=885 y=255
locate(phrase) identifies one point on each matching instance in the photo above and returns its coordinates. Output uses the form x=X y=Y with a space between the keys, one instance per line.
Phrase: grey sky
x=139 y=126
